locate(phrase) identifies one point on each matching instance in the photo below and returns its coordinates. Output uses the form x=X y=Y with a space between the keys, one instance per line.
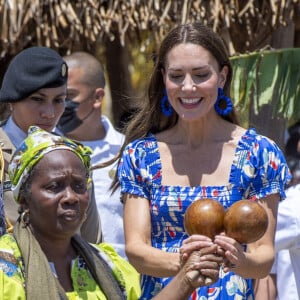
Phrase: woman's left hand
x=233 y=252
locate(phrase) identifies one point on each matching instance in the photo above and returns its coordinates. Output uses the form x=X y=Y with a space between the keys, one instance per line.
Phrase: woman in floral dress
x=185 y=144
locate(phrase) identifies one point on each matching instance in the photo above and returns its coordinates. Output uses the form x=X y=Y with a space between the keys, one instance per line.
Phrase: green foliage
x=267 y=78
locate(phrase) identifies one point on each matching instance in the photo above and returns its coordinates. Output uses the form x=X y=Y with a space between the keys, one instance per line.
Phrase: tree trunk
x=117 y=62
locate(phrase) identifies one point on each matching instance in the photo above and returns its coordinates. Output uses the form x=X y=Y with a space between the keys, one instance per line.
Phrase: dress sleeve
x=265 y=170
x=134 y=171
x=12 y=281
x=123 y=271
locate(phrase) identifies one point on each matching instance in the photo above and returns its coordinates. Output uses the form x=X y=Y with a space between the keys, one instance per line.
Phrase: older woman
x=44 y=258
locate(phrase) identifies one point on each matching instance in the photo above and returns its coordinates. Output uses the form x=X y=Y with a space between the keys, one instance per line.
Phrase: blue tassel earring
x=219 y=107
x=166 y=107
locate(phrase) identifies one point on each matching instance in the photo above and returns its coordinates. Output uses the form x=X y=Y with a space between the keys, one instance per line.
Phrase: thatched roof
x=65 y=24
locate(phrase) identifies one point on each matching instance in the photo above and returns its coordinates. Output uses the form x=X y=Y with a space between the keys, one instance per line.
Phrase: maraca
x=204 y=217
x=245 y=221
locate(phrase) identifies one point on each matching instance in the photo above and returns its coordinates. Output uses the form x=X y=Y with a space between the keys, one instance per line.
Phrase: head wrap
x=37 y=144
x=31 y=70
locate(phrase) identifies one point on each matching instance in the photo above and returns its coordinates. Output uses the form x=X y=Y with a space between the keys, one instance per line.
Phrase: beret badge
x=63 y=70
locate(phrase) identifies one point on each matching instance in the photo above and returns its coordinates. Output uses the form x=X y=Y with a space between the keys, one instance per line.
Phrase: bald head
x=93 y=74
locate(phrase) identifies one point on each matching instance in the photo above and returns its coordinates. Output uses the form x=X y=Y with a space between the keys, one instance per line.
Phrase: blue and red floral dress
x=259 y=169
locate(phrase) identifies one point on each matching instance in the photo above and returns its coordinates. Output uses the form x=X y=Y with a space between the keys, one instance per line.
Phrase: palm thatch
x=68 y=25
x=63 y=24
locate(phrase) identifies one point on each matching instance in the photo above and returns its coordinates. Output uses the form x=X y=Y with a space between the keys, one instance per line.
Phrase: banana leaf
x=269 y=77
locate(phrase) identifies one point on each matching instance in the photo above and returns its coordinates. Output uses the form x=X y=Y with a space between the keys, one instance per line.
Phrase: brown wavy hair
x=149 y=117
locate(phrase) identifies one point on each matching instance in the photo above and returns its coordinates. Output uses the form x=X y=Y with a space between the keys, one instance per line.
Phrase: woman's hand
x=194 y=243
x=233 y=253
x=202 y=266
x=209 y=252
x=199 y=266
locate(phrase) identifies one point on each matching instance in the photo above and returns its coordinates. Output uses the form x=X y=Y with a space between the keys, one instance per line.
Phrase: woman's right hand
x=194 y=243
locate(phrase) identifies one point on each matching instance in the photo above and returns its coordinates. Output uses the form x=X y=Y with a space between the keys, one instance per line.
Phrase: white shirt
x=287 y=246
x=286 y=283
x=109 y=206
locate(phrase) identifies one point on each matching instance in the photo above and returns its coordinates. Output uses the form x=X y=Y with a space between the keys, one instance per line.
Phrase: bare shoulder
x=237 y=133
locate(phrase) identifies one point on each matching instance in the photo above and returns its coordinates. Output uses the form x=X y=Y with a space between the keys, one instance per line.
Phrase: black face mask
x=69 y=120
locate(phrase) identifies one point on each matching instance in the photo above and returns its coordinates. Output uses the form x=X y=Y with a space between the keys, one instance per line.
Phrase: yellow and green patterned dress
x=12 y=277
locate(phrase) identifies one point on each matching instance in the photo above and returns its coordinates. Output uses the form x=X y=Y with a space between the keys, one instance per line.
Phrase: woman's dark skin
x=186 y=280
x=57 y=198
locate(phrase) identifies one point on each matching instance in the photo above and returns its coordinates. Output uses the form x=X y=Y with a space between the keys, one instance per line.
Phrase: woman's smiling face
x=192 y=77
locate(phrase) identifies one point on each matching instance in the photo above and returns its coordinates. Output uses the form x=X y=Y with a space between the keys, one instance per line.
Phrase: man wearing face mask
x=83 y=121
